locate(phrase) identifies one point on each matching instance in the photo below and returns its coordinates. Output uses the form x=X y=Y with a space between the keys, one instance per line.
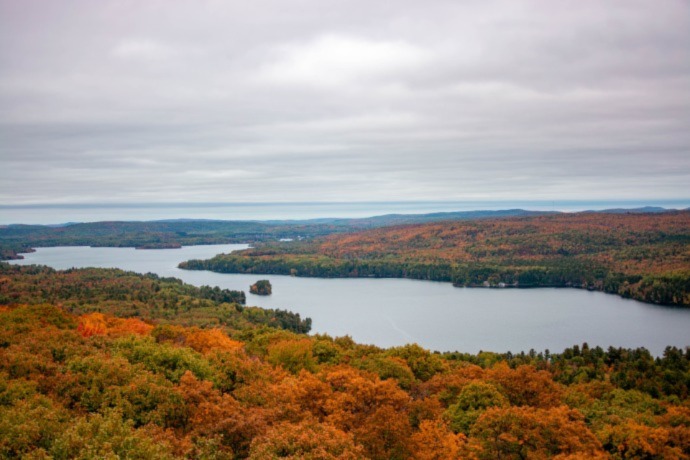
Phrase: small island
x=261 y=287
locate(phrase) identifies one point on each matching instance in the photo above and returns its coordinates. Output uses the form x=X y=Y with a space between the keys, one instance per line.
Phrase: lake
x=438 y=316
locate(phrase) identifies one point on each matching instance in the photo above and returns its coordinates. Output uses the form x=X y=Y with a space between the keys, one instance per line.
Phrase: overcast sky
x=314 y=100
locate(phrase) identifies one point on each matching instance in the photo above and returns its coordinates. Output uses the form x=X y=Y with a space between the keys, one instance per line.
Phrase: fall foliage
x=127 y=294
x=642 y=256
x=91 y=381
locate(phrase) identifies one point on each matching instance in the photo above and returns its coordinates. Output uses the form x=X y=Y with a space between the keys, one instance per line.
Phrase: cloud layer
x=126 y=101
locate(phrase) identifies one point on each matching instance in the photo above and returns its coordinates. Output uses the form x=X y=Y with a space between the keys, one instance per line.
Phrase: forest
x=645 y=256
x=127 y=294
x=16 y=239
x=98 y=363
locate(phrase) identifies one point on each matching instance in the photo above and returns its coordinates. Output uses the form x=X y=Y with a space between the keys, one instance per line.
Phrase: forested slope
x=15 y=239
x=129 y=294
x=81 y=377
x=643 y=256
x=162 y=234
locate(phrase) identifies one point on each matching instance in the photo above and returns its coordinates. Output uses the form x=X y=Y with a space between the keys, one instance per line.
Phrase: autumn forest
x=103 y=363
x=641 y=256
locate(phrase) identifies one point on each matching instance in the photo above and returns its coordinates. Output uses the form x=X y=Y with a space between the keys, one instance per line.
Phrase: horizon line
x=166 y=204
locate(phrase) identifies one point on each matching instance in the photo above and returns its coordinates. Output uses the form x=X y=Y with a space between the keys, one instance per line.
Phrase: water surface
x=438 y=316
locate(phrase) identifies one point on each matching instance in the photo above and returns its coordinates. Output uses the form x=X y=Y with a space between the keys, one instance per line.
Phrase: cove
x=391 y=312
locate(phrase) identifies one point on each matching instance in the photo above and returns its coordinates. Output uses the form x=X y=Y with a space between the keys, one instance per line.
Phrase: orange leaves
x=375 y=411
x=446 y=386
x=385 y=434
x=303 y=395
x=633 y=440
x=434 y=441
x=526 y=386
x=92 y=324
x=525 y=432
x=100 y=324
x=305 y=440
x=205 y=340
x=219 y=416
x=201 y=340
x=130 y=326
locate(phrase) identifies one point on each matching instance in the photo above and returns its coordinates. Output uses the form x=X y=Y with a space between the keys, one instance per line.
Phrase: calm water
x=438 y=316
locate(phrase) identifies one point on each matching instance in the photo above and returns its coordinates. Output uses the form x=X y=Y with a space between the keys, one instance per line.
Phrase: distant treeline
x=640 y=256
x=15 y=239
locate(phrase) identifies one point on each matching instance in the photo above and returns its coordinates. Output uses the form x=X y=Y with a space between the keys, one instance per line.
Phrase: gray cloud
x=119 y=101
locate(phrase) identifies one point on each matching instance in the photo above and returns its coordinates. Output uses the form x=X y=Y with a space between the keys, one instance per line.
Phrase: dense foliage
x=643 y=256
x=148 y=296
x=148 y=235
x=261 y=287
x=96 y=385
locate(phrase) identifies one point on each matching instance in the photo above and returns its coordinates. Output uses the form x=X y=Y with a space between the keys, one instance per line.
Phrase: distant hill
x=644 y=256
x=645 y=209
x=17 y=238
x=402 y=219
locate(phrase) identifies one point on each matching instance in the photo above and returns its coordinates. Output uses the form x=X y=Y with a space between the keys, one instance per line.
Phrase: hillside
x=127 y=294
x=156 y=234
x=15 y=239
x=93 y=365
x=645 y=256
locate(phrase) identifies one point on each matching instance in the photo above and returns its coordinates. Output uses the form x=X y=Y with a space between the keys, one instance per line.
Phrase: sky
x=119 y=101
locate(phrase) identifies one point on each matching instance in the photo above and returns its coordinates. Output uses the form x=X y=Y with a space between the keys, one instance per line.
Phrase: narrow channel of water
x=438 y=316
